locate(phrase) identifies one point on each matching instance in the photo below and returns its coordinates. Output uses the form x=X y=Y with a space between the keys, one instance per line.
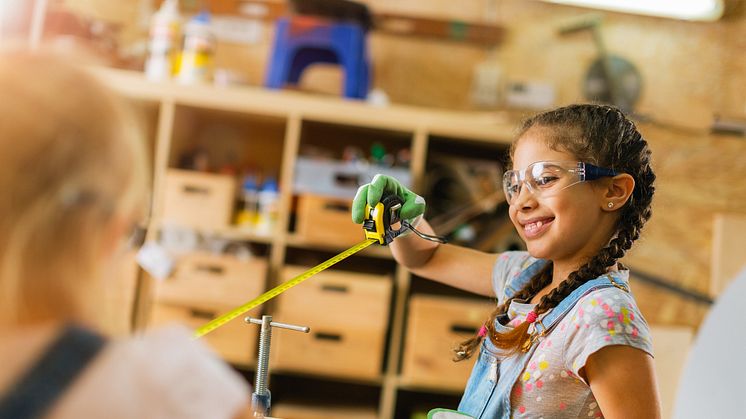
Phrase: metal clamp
x=261 y=398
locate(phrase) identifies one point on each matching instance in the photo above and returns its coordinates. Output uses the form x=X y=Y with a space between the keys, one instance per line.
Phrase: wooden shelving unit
x=288 y=117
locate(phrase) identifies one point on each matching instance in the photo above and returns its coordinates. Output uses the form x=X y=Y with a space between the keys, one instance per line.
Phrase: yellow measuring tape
x=274 y=292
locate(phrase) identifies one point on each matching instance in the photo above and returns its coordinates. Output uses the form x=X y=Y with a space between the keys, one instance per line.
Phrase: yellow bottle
x=197 y=54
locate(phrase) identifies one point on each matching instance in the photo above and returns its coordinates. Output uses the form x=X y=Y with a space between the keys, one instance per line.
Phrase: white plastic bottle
x=249 y=211
x=269 y=206
x=199 y=45
x=165 y=38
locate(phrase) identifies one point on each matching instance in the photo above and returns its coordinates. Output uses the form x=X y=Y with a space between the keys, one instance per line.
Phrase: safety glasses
x=136 y=237
x=547 y=178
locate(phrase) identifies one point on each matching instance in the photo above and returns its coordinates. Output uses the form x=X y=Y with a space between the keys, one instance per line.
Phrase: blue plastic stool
x=302 y=41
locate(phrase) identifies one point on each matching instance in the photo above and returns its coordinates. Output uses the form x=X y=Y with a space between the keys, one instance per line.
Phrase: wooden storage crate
x=309 y=411
x=236 y=341
x=348 y=316
x=436 y=324
x=728 y=257
x=671 y=345
x=119 y=296
x=338 y=297
x=205 y=280
x=198 y=200
x=327 y=220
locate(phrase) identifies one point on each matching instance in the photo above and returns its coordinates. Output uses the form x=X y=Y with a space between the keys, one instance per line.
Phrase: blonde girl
x=74 y=180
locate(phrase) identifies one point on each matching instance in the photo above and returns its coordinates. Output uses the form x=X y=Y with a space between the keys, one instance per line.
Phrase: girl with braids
x=566 y=339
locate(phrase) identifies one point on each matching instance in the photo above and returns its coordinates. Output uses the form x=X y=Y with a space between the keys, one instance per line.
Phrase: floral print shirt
x=550 y=386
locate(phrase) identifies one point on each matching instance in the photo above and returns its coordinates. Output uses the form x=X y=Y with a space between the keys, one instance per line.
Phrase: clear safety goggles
x=546 y=178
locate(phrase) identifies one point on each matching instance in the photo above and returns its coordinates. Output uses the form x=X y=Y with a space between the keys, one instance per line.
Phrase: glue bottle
x=269 y=203
x=196 y=57
x=164 y=42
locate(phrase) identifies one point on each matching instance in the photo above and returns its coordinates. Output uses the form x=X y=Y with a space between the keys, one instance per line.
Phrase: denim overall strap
x=35 y=393
x=486 y=396
x=515 y=285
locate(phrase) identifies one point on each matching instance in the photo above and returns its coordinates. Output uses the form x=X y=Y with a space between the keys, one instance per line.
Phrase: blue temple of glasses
x=594 y=172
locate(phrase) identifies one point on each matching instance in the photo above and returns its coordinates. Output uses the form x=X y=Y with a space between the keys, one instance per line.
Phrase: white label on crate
x=237 y=29
x=155 y=260
x=339 y=179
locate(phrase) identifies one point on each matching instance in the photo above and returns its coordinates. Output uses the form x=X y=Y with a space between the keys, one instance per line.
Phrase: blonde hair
x=72 y=161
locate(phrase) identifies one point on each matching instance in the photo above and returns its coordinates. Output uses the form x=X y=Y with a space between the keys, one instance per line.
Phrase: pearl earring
x=610 y=205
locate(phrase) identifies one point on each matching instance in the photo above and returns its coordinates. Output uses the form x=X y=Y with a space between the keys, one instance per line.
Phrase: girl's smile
x=534 y=227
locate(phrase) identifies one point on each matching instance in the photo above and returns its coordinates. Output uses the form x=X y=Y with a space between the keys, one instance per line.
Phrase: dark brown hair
x=601 y=135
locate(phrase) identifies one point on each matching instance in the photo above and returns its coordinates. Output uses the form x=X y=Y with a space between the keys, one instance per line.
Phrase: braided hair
x=601 y=135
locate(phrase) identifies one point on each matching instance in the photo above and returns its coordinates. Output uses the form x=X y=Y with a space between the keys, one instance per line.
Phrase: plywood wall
x=691 y=71
x=698 y=176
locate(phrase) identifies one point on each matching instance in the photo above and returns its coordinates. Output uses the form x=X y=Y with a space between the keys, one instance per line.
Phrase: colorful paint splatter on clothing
x=551 y=385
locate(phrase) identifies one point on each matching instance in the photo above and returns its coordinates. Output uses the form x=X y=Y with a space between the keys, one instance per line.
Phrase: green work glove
x=447 y=414
x=371 y=193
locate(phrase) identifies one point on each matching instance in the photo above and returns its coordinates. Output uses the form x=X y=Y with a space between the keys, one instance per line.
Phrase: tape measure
x=274 y=292
x=377 y=226
x=379 y=220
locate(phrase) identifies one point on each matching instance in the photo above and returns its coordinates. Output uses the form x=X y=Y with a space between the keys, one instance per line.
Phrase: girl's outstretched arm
x=460 y=267
x=457 y=266
x=623 y=382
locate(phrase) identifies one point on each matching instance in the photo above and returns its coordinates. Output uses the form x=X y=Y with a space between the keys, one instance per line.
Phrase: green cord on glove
x=371 y=193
